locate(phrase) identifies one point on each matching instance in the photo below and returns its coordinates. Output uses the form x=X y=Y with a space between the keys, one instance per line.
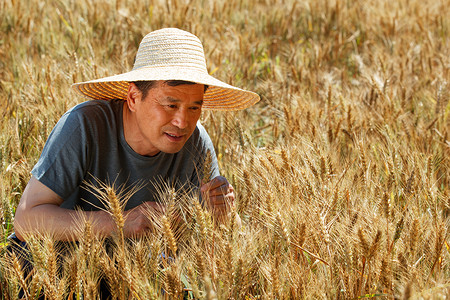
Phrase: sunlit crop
x=341 y=171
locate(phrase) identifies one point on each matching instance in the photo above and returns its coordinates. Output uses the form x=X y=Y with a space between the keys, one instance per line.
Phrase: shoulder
x=91 y=113
x=201 y=129
x=199 y=136
x=86 y=120
x=200 y=132
x=200 y=140
x=94 y=107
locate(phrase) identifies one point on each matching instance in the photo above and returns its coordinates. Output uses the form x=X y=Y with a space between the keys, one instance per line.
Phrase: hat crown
x=170 y=54
x=170 y=47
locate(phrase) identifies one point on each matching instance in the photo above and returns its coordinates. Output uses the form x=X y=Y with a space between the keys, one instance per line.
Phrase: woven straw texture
x=170 y=54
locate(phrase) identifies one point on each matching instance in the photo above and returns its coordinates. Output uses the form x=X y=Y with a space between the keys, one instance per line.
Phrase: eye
x=173 y=106
x=195 y=108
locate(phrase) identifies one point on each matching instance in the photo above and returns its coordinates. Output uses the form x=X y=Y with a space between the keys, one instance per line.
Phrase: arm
x=39 y=212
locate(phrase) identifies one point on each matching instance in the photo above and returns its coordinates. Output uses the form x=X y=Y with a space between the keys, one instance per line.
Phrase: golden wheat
x=341 y=171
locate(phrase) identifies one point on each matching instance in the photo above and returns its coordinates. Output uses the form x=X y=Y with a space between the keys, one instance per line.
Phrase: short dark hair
x=145 y=86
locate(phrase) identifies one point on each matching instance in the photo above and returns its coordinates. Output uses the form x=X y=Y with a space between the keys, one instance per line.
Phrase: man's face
x=167 y=117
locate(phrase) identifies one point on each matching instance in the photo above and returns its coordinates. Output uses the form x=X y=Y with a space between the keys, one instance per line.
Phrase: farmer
x=140 y=129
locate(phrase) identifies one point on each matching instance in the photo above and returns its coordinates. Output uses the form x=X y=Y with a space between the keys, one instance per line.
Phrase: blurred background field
x=341 y=171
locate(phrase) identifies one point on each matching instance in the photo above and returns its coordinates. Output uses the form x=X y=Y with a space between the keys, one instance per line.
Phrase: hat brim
x=218 y=96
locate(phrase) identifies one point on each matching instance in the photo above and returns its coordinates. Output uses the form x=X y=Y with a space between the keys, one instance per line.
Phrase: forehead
x=179 y=92
x=178 y=83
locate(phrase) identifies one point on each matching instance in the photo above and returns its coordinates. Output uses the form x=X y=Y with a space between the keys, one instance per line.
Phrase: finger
x=214 y=183
x=227 y=199
x=222 y=200
x=220 y=210
x=222 y=206
x=151 y=209
x=210 y=185
x=220 y=190
x=230 y=197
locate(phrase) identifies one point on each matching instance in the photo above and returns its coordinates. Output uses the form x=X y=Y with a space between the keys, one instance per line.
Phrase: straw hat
x=170 y=54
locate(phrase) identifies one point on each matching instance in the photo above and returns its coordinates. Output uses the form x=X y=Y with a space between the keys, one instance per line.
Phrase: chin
x=172 y=150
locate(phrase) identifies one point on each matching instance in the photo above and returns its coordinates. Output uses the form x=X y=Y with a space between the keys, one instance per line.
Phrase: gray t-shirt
x=88 y=144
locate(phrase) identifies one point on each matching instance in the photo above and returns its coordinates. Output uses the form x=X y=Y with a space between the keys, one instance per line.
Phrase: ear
x=134 y=95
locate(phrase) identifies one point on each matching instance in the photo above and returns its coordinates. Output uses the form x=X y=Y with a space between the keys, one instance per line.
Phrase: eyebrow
x=174 y=100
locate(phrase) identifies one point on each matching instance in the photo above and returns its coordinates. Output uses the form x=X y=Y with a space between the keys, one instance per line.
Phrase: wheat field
x=341 y=171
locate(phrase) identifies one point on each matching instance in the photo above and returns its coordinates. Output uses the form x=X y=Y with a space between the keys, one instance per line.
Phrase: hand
x=139 y=220
x=218 y=195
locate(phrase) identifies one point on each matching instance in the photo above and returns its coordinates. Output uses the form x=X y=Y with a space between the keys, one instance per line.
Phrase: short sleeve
x=64 y=159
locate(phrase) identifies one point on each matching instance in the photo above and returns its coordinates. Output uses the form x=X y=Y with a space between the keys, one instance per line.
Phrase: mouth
x=174 y=137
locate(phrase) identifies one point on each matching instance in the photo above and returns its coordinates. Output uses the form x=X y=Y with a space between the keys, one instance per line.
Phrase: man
x=141 y=128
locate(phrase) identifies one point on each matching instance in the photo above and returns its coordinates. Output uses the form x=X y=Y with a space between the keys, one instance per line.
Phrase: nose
x=180 y=119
